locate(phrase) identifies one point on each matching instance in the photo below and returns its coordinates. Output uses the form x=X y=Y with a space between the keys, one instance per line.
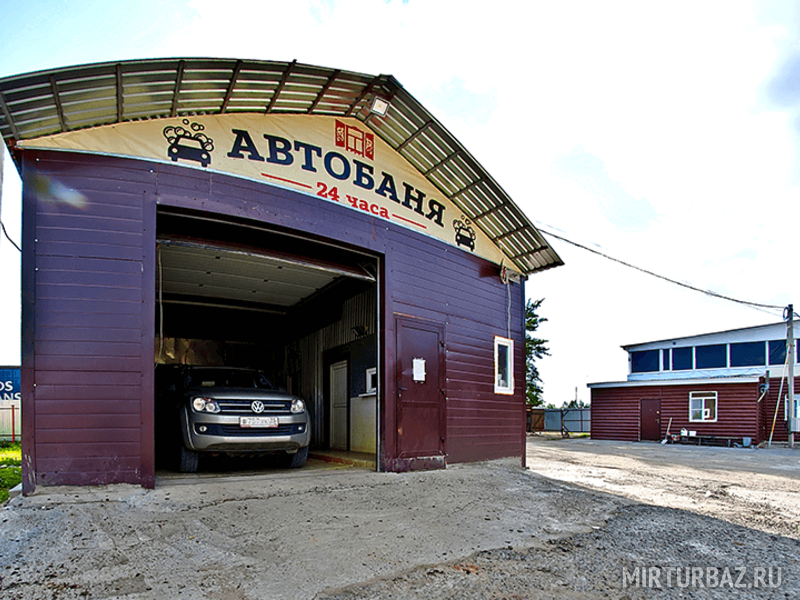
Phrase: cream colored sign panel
x=336 y=159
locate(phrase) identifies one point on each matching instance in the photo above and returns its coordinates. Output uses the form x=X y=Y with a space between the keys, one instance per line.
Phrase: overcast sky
x=663 y=134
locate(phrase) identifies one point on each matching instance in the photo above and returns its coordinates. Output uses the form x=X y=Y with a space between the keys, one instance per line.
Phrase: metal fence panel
x=552 y=419
x=573 y=420
x=10 y=422
x=577 y=420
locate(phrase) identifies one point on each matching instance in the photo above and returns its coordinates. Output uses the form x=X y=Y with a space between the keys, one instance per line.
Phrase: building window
x=711 y=357
x=372 y=380
x=645 y=361
x=682 y=359
x=748 y=354
x=665 y=366
x=503 y=366
x=703 y=407
x=777 y=352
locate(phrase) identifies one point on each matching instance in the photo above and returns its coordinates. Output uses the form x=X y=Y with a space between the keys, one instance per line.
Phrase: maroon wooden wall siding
x=737 y=409
x=465 y=294
x=89 y=336
x=767 y=412
x=616 y=411
x=88 y=256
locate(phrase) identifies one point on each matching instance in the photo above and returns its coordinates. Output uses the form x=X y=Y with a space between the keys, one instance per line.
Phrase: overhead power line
x=8 y=237
x=662 y=277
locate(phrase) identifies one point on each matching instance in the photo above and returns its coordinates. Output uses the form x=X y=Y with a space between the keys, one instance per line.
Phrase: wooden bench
x=711 y=440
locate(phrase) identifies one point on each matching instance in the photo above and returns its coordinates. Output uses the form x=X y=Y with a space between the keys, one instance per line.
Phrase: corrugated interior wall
x=304 y=356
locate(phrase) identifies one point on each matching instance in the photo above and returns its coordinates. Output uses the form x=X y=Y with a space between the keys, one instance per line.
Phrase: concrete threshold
x=363 y=460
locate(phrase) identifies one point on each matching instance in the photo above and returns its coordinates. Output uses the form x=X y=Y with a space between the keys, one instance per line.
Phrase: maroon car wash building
x=315 y=223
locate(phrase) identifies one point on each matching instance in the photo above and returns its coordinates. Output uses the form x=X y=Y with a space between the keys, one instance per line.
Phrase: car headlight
x=298 y=406
x=205 y=405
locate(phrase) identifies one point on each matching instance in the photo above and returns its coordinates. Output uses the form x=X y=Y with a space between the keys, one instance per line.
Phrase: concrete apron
x=284 y=534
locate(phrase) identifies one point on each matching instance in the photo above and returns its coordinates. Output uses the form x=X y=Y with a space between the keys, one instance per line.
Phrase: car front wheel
x=296 y=460
x=189 y=460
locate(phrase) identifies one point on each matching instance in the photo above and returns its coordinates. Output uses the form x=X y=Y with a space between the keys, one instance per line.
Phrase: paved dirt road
x=488 y=530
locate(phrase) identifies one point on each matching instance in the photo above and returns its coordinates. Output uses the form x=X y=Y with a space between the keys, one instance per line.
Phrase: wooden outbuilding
x=723 y=388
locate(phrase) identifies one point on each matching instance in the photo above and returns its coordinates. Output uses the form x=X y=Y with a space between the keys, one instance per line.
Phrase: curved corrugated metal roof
x=49 y=102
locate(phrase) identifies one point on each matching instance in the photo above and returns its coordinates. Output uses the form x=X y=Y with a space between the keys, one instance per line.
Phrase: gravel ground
x=488 y=530
x=750 y=487
x=708 y=523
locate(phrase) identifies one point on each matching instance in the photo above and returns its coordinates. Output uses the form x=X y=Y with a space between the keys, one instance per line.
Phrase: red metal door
x=651 y=419
x=420 y=398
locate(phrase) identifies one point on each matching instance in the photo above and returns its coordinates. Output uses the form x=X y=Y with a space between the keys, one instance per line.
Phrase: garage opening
x=302 y=311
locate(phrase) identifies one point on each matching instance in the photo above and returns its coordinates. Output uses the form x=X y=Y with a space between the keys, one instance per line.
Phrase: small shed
x=316 y=223
x=722 y=387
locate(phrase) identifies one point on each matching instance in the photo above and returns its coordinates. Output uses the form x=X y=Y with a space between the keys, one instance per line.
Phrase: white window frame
x=371 y=380
x=704 y=397
x=501 y=387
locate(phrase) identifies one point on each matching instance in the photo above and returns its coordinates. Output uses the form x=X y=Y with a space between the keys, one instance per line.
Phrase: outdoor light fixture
x=379 y=106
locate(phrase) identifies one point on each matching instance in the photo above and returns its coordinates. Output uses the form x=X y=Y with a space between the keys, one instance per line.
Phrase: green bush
x=10 y=470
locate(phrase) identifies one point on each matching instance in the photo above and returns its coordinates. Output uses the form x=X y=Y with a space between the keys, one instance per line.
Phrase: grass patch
x=10 y=468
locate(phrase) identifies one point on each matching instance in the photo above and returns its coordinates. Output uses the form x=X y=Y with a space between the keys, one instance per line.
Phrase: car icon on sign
x=188 y=148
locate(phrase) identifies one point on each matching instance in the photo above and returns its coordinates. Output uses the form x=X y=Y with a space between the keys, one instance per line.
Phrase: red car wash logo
x=189 y=144
x=354 y=140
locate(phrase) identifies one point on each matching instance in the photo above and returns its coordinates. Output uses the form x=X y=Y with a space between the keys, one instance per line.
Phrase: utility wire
x=651 y=273
x=8 y=237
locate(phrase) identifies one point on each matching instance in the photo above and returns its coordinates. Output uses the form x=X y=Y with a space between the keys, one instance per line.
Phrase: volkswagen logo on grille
x=257 y=406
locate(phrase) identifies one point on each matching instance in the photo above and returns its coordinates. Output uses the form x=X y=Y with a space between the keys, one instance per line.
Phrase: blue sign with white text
x=10 y=388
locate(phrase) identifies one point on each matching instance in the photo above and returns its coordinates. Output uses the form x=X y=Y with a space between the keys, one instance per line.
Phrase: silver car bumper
x=224 y=434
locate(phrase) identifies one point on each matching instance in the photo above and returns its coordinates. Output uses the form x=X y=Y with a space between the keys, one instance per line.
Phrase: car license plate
x=258 y=421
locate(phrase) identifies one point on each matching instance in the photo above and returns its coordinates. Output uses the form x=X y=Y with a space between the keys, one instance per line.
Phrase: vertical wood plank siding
x=92 y=321
x=616 y=411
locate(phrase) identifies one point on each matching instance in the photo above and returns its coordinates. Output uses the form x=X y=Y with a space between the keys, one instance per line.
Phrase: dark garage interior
x=235 y=293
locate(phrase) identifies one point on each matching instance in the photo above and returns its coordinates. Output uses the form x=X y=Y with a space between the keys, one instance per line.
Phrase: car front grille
x=236 y=431
x=231 y=406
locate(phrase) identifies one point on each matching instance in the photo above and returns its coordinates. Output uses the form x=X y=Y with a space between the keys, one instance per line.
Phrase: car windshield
x=236 y=378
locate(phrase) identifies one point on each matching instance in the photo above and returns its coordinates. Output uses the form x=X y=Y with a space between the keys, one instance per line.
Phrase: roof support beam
x=324 y=90
x=279 y=89
x=178 y=81
x=508 y=234
x=57 y=100
x=471 y=186
x=415 y=135
x=7 y=115
x=231 y=86
x=529 y=253
x=120 y=95
x=367 y=91
x=442 y=162
x=490 y=212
